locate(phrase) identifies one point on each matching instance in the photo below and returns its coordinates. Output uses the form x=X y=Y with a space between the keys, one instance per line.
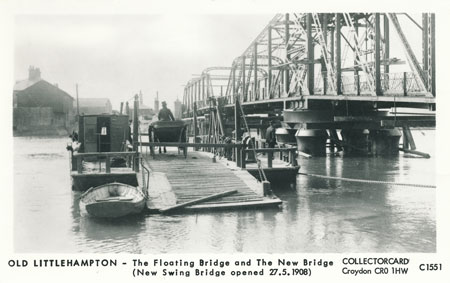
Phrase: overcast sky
x=115 y=56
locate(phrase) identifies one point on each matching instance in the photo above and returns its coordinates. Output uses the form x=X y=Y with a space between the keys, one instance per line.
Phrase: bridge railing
x=394 y=84
x=238 y=152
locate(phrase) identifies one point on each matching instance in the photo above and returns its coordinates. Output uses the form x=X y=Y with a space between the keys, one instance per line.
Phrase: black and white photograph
x=167 y=136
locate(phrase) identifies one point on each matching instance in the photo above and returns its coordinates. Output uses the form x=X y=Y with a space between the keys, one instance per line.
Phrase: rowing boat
x=112 y=200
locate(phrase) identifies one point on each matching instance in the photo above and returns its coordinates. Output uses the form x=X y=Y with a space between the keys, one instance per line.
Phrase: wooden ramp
x=176 y=180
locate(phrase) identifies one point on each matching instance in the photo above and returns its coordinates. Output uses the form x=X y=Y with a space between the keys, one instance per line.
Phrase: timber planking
x=196 y=177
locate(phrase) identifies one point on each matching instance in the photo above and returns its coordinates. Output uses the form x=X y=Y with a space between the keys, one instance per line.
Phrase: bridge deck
x=175 y=180
x=419 y=99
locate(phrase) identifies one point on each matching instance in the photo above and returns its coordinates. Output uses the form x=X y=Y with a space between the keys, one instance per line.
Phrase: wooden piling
x=108 y=164
x=269 y=159
x=292 y=159
x=135 y=132
x=266 y=188
x=79 y=165
x=409 y=138
x=423 y=154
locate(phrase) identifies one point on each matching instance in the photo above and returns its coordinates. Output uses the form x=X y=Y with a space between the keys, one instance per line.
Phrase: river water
x=319 y=215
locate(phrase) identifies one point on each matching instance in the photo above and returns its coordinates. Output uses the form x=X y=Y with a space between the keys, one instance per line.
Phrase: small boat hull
x=114 y=209
x=112 y=201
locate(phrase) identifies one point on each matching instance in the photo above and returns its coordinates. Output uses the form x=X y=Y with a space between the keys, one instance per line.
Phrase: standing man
x=271 y=139
x=165 y=114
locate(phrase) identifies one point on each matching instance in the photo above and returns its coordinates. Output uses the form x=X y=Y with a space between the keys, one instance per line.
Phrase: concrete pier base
x=355 y=141
x=312 y=141
x=384 y=142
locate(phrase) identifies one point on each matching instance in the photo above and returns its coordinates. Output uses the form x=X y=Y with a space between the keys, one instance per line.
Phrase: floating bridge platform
x=176 y=179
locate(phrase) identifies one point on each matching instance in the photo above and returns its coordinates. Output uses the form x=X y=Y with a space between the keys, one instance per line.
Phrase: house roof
x=24 y=84
x=93 y=102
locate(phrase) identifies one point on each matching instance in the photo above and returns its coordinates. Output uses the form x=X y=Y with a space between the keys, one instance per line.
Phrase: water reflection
x=318 y=215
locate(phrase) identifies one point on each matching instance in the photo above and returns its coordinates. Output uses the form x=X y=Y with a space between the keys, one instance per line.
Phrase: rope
x=368 y=181
x=262 y=175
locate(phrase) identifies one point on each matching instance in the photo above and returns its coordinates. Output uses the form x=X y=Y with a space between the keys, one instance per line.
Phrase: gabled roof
x=24 y=84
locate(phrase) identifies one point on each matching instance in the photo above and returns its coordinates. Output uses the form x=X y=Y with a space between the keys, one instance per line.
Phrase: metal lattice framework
x=300 y=54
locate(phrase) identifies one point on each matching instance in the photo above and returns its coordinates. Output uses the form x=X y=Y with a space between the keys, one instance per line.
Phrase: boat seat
x=115 y=199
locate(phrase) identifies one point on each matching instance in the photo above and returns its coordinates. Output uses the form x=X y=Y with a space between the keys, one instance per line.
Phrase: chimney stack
x=34 y=74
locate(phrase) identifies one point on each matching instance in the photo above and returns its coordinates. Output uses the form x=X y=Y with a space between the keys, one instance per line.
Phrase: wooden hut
x=103 y=133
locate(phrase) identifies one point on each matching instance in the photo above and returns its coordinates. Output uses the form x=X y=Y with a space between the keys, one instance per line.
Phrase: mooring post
x=266 y=188
x=237 y=127
x=269 y=158
x=243 y=156
x=135 y=132
x=404 y=84
x=73 y=161
x=79 y=165
x=238 y=155
x=195 y=124
x=108 y=164
x=405 y=139
x=292 y=159
x=358 y=85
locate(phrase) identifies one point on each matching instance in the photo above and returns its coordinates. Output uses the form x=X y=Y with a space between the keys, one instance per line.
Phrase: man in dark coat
x=271 y=139
x=165 y=114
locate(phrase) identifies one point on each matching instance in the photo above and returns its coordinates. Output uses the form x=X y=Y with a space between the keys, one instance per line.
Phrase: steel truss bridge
x=324 y=61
